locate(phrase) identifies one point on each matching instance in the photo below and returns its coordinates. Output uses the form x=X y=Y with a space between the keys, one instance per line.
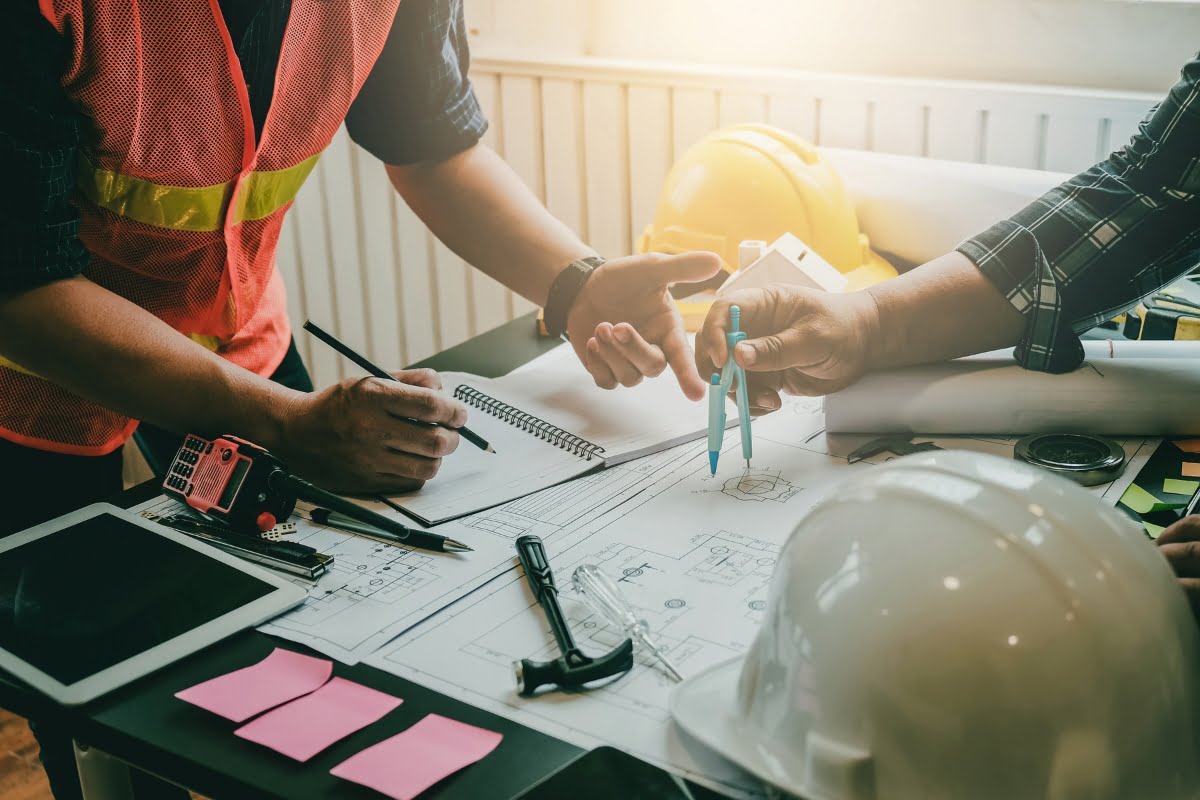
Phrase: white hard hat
x=956 y=625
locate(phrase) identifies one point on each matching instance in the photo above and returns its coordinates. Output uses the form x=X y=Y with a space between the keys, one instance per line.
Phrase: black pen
x=361 y=360
x=414 y=537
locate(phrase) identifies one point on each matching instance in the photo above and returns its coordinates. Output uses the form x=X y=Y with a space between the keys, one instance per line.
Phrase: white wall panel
x=373 y=206
x=562 y=148
x=287 y=261
x=606 y=166
x=793 y=111
x=693 y=116
x=520 y=104
x=493 y=302
x=418 y=299
x=1072 y=140
x=897 y=125
x=650 y=146
x=594 y=139
x=739 y=107
x=308 y=217
x=454 y=296
x=1012 y=135
x=1122 y=125
x=843 y=122
x=341 y=226
x=954 y=130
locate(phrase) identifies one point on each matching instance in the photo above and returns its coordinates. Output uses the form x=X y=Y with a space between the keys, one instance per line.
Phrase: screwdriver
x=601 y=593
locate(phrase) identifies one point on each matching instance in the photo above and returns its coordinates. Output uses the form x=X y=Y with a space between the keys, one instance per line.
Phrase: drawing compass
x=1086 y=460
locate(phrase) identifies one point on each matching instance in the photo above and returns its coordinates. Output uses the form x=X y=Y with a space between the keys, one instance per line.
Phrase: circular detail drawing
x=633 y=572
x=766 y=562
x=675 y=603
x=757 y=605
x=719 y=551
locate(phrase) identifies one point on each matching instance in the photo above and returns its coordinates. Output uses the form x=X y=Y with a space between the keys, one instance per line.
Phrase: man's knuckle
x=444 y=441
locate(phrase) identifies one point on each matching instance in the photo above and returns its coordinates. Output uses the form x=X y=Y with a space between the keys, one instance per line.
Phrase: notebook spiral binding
x=576 y=445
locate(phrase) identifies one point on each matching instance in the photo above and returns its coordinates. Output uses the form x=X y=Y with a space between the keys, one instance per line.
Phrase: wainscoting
x=594 y=139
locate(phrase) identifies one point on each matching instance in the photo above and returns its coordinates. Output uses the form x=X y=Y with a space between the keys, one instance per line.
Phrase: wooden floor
x=21 y=775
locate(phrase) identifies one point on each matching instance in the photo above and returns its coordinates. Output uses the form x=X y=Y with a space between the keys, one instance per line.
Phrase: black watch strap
x=564 y=290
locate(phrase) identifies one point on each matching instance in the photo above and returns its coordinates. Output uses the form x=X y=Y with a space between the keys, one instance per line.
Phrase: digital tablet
x=100 y=597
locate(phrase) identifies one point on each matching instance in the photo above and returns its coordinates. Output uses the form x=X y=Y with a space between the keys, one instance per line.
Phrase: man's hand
x=624 y=324
x=354 y=437
x=1180 y=543
x=799 y=341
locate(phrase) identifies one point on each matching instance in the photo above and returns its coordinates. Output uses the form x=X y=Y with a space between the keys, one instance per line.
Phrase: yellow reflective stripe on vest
x=191 y=208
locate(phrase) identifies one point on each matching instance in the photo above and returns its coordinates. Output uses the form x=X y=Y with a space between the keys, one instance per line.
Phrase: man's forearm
x=482 y=211
x=943 y=309
x=108 y=350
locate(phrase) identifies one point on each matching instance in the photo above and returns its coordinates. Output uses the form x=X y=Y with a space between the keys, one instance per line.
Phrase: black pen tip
x=490 y=450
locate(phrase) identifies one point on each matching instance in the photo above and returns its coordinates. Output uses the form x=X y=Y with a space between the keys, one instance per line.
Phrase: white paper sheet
x=626 y=423
x=1133 y=391
x=470 y=480
x=694 y=553
x=375 y=590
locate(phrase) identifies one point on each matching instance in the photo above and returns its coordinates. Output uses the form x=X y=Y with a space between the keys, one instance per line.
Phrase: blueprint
x=375 y=590
x=693 y=552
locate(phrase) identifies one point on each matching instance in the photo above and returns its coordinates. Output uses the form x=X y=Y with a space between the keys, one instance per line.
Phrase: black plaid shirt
x=1096 y=245
x=417 y=105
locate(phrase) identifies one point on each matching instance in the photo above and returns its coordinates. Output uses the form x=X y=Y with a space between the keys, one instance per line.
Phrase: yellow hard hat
x=759 y=182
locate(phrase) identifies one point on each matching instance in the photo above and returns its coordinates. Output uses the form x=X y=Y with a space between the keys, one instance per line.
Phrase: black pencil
x=361 y=360
x=413 y=537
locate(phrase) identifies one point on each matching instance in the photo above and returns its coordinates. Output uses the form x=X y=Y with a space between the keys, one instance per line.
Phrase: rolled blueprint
x=1124 y=388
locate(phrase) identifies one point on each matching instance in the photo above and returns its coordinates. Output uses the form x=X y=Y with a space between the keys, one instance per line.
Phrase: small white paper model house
x=787 y=260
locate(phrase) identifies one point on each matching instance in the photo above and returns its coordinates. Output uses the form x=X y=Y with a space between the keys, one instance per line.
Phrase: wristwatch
x=1087 y=460
x=564 y=290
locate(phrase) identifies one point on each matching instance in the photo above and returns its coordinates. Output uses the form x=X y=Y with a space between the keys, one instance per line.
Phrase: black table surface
x=145 y=725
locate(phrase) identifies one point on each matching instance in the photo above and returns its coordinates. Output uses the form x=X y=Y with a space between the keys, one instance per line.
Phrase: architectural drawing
x=758 y=486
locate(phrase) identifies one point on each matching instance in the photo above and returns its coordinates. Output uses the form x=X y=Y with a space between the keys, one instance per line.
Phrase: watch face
x=1068 y=450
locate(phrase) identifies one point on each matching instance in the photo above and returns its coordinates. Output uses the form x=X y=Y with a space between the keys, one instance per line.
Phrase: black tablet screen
x=87 y=597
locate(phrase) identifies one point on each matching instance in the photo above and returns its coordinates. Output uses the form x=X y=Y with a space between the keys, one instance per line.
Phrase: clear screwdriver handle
x=602 y=594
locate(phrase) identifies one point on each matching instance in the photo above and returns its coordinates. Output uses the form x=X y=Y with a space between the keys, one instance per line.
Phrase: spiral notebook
x=548 y=425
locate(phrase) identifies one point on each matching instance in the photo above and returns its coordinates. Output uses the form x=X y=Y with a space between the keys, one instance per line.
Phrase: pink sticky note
x=241 y=694
x=410 y=762
x=305 y=727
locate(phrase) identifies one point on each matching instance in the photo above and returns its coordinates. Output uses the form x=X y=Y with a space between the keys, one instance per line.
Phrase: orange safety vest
x=180 y=206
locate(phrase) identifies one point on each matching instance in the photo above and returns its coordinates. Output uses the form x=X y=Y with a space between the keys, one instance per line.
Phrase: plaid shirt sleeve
x=1096 y=245
x=418 y=104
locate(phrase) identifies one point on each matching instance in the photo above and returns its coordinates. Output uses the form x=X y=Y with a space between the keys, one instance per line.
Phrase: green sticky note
x=1138 y=499
x=1152 y=529
x=1176 y=486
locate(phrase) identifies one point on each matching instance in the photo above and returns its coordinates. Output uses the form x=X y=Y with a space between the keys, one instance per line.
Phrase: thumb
x=683 y=268
x=775 y=352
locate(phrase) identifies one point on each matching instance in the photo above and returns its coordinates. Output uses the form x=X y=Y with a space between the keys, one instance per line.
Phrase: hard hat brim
x=705 y=707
